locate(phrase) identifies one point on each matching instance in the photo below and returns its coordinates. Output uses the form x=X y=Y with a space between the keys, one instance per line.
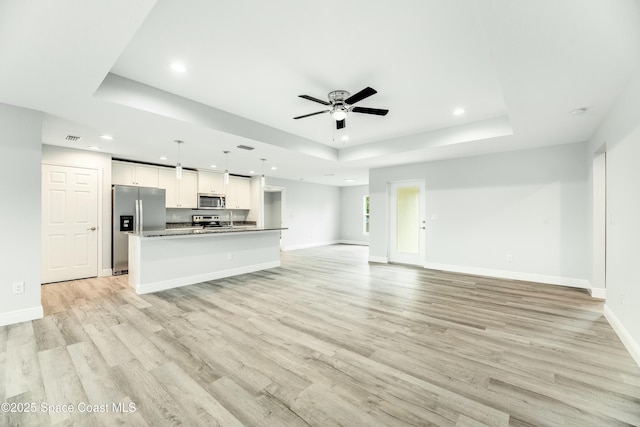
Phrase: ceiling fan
x=341 y=103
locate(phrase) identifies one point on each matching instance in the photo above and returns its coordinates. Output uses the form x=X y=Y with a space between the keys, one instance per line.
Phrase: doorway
x=273 y=209
x=407 y=223
x=69 y=223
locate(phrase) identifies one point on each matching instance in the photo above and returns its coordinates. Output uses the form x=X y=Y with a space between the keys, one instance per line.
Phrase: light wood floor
x=327 y=339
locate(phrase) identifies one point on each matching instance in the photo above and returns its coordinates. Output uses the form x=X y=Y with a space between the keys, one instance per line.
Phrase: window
x=365 y=214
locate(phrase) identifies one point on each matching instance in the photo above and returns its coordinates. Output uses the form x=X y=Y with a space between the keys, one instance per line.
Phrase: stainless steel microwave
x=211 y=201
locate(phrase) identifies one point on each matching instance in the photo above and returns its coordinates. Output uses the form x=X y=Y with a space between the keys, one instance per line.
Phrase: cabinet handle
x=91 y=229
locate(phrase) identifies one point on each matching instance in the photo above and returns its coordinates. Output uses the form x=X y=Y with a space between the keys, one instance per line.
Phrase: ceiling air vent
x=72 y=138
x=245 y=147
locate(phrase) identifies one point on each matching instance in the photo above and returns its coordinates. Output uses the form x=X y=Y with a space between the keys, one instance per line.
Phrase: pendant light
x=226 y=164
x=262 y=178
x=179 y=165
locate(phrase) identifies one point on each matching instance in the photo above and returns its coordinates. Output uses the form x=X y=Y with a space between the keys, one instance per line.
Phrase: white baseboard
x=354 y=242
x=380 y=259
x=18 y=316
x=513 y=275
x=310 y=245
x=146 y=288
x=632 y=346
x=105 y=272
x=599 y=293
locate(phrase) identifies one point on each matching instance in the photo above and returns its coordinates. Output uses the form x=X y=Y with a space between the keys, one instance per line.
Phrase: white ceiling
x=518 y=68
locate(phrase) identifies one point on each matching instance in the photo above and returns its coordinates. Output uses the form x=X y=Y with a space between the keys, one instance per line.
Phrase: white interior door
x=407 y=223
x=69 y=223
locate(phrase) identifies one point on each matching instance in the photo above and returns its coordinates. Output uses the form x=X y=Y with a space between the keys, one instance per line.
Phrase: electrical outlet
x=18 y=287
x=509 y=258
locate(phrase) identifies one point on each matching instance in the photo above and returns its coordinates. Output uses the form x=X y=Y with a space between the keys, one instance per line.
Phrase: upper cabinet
x=183 y=193
x=211 y=182
x=125 y=173
x=188 y=190
x=238 y=193
x=180 y=193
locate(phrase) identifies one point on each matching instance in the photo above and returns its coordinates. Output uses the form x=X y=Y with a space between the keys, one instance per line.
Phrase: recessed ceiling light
x=178 y=67
x=252 y=171
x=349 y=180
x=579 y=111
x=458 y=111
x=329 y=174
x=163 y=158
x=213 y=166
x=107 y=137
x=95 y=147
x=345 y=137
x=274 y=168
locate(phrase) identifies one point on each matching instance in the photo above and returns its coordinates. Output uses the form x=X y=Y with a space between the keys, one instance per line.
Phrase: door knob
x=91 y=229
x=424 y=228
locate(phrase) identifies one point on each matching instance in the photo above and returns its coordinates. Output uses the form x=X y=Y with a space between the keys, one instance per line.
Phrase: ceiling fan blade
x=376 y=111
x=364 y=93
x=311 y=98
x=340 y=124
x=312 y=114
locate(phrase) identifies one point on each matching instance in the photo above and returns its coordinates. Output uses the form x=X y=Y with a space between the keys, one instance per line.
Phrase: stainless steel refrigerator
x=133 y=209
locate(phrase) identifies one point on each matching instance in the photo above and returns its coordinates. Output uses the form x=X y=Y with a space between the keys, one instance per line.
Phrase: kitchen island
x=166 y=259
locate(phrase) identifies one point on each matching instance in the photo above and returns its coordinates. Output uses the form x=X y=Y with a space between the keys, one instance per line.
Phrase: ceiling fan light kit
x=341 y=103
x=339 y=113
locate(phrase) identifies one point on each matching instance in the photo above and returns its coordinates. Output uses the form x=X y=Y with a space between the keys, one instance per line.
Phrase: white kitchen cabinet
x=167 y=180
x=238 y=193
x=210 y=182
x=180 y=193
x=125 y=173
x=188 y=190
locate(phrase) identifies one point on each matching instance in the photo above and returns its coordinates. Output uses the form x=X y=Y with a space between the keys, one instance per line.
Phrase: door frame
x=100 y=195
x=392 y=202
x=599 y=223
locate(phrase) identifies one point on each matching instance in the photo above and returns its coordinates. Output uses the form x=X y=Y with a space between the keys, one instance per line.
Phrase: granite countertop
x=185 y=231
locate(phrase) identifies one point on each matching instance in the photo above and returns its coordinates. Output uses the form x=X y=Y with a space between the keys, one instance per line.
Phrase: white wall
x=312 y=213
x=621 y=132
x=351 y=215
x=20 y=182
x=102 y=163
x=530 y=204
